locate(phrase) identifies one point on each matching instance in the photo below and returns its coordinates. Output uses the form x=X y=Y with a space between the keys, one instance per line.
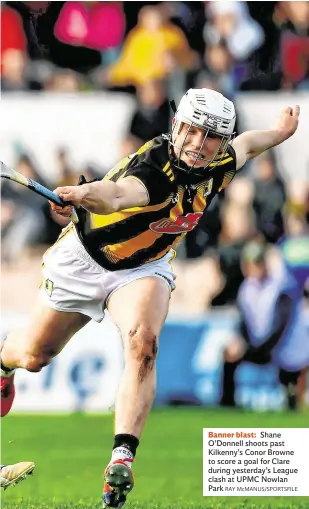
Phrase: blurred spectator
x=129 y=145
x=272 y=326
x=14 y=65
x=238 y=227
x=15 y=69
x=12 y=33
x=298 y=198
x=93 y=172
x=205 y=79
x=152 y=116
x=87 y=36
x=31 y=13
x=68 y=175
x=231 y=26
x=149 y=50
x=198 y=282
x=63 y=80
x=269 y=197
x=230 y=22
x=95 y=25
x=293 y=20
x=22 y=217
x=240 y=192
x=293 y=16
x=264 y=61
x=39 y=24
x=37 y=8
x=220 y=64
x=190 y=17
x=294 y=248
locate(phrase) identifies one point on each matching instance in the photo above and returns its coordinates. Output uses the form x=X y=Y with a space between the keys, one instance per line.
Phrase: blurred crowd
x=155 y=51
x=82 y=46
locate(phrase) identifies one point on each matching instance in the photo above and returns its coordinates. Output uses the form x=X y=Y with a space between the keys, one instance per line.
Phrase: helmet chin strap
x=173 y=106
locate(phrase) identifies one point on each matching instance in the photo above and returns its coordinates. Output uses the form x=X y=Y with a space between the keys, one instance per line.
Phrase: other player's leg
x=139 y=309
x=33 y=347
x=10 y=475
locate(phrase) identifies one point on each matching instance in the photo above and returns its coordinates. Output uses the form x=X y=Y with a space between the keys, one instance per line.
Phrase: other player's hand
x=288 y=122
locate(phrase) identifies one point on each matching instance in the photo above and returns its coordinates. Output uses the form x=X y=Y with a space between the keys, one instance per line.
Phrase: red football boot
x=118 y=483
x=7 y=393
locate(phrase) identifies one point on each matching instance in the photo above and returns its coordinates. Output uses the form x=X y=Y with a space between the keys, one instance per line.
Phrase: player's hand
x=62 y=211
x=287 y=123
x=72 y=194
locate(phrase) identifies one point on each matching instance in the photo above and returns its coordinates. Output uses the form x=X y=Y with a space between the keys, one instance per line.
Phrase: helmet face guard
x=210 y=164
x=210 y=112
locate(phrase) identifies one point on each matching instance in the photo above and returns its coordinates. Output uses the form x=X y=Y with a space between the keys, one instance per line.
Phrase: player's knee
x=34 y=363
x=142 y=343
x=142 y=348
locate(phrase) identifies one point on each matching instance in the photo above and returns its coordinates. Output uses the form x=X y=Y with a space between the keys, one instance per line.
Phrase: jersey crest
x=181 y=224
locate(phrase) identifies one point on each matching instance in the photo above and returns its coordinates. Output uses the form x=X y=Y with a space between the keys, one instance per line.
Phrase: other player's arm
x=252 y=143
x=104 y=197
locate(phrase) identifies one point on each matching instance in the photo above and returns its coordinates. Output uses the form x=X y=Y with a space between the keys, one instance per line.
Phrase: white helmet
x=208 y=110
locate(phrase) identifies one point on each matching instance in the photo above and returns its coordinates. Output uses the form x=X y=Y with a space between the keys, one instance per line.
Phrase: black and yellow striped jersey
x=177 y=200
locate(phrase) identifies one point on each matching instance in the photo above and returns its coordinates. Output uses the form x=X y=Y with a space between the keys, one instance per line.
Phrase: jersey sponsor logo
x=180 y=225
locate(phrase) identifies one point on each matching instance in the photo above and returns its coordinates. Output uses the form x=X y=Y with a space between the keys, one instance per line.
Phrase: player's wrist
x=277 y=136
x=97 y=198
x=283 y=134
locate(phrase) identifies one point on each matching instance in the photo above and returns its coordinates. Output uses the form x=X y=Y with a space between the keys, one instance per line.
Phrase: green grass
x=72 y=451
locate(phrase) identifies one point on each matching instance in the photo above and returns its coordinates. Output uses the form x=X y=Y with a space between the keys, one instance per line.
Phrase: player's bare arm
x=252 y=143
x=104 y=197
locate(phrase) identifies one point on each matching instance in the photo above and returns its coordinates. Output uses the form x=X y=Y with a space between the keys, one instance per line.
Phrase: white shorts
x=73 y=281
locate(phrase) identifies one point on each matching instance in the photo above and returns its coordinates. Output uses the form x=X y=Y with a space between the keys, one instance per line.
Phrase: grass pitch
x=72 y=451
